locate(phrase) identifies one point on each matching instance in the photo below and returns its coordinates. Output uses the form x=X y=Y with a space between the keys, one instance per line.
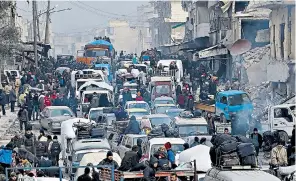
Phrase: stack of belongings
x=156 y=132
x=228 y=151
x=169 y=132
x=98 y=131
x=83 y=129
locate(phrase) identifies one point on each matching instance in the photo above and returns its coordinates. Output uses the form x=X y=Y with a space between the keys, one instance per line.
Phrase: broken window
x=282 y=38
x=283 y=113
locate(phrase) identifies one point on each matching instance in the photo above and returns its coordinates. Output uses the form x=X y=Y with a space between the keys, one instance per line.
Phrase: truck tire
x=223 y=118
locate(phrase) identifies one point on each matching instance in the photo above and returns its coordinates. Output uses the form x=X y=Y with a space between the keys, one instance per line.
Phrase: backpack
x=55 y=148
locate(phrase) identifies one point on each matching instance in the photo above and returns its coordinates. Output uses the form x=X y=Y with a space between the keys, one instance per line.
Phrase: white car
x=137 y=105
x=152 y=146
x=191 y=126
x=158 y=119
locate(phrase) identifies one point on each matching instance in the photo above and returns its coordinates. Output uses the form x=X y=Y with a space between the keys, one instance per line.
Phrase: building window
x=282 y=38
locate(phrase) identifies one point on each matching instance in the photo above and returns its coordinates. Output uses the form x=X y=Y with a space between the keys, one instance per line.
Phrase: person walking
x=23 y=117
x=2 y=101
x=257 y=140
x=12 y=99
x=54 y=148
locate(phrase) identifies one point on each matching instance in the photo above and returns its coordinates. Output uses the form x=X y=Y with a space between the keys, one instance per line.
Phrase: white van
x=166 y=64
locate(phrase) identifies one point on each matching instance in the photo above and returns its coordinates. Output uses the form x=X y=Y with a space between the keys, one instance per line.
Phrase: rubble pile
x=255 y=55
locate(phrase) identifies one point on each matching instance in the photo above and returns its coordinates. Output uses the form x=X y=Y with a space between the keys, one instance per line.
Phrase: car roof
x=135 y=102
x=57 y=107
x=97 y=108
x=136 y=135
x=155 y=141
x=136 y=110
x=97 y=90
x=165 y=105
x=157 y=116
x=191 y=121
x=231 y=92
x=175 y=109
x=163 y=98
x=85 y=144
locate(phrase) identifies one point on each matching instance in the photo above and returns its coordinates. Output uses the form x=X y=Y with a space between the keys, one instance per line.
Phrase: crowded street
x=195 y=92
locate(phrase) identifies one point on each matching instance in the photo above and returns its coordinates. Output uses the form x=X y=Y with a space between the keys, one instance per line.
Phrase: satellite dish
x=190 y=27
x=240 y=46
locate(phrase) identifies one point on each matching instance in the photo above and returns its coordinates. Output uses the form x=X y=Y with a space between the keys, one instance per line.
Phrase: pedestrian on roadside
x=2 y=101
x=23 y=117
x=257 y=140
x=54 y=148
x=12 y=99
x=7 y=89
x=30 y=140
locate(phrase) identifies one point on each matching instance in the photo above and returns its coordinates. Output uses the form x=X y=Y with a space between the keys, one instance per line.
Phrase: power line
x=105 y=11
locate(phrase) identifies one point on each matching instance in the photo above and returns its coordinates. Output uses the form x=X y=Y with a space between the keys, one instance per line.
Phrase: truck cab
x=161 y=86
x=282 y=117
x=232 y=102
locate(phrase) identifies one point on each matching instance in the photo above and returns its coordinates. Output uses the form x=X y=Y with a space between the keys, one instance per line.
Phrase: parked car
x=52 y=117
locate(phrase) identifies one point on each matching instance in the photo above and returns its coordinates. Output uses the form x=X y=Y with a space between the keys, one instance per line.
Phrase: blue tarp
x=101 y=42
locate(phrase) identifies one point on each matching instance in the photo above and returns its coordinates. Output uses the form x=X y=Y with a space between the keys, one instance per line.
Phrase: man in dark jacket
x=2 y=101
x=163 y=162
x=12 y=99
x=23 y=117
x=293 y=137
x=149 y=171
x=16 y=141
x=130 y=159
x=133 y=126
x=196 y=142
x=85 y=176
x=186 y=146
x=29 y=140
x=257 y=140
x=109 y=161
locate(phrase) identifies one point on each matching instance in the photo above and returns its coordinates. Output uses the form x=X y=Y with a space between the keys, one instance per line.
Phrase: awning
x=212 y=51
x=178 y=25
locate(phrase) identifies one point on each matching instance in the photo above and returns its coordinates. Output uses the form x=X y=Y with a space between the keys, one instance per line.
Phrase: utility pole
x=37 y=22
x=46 y=39
x=35 y=32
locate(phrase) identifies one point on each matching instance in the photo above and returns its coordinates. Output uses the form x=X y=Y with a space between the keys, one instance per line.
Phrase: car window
x=129 y=141
x=160 y=120
x=138 y=105
x=162 y=89
x=163 y=109
x=168 y=101
x=60 y=112
x=123 y=140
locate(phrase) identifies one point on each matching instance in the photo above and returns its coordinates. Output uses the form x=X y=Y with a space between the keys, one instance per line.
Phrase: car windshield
x=78 y=157
x=60 y=112
x=93 y=115
x=162 y=89
x=163 y=109
x=160 y=120
x=190 y=130
x=239 y=99
x=174 y=113
x=144 y=139
x=177 y=148
x=138 y=114
x=96 y=53
x=168 y=101
x=139 y=106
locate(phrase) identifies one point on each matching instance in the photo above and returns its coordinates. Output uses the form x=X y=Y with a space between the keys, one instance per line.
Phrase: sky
x=84 y=15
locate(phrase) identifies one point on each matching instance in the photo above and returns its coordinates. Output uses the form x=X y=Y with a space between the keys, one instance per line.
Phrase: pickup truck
x=227 y=103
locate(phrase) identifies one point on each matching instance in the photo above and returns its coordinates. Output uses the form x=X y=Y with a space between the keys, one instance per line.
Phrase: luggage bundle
x=230 y=151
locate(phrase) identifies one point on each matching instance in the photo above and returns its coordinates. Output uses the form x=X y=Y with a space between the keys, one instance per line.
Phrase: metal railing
x=107 y=173
x=169 y=73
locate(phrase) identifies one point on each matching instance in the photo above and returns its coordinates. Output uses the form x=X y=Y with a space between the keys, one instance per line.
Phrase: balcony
x=220 y=23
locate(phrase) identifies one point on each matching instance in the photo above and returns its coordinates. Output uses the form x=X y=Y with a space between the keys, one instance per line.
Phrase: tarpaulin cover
x=199 y=153
x=101 y=42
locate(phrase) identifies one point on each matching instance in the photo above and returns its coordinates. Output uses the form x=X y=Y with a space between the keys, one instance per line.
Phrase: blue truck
x=228 y=103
